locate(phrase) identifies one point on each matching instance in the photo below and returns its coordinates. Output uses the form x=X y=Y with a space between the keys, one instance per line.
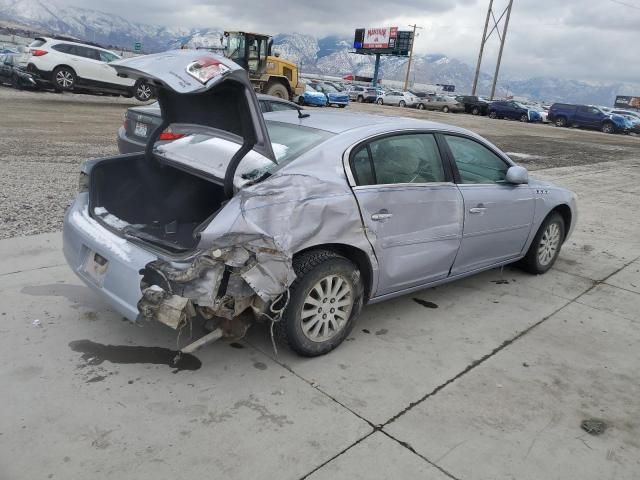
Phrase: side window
x=362 y=168
x=62 y=47
x=91 y=53
x=264 y=107
x=106 y=56
x=410 y=158
x=475 y=162
x=280 y=106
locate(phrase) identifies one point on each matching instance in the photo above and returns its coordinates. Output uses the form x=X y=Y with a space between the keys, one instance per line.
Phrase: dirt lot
x=46 y=135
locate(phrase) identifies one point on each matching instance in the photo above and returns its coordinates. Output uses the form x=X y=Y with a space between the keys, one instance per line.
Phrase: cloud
x=572 y=39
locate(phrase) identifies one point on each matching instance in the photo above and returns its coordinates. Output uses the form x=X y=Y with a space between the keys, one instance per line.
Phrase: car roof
x=340 y=122
x=56 y=41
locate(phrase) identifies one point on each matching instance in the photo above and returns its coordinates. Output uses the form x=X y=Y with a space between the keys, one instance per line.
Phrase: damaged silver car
x=295 y=219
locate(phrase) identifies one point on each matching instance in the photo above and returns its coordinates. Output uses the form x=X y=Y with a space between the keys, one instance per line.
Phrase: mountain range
x=331 y=55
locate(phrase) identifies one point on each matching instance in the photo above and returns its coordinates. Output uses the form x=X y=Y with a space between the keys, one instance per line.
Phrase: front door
x=497 y=215
x=412 y=210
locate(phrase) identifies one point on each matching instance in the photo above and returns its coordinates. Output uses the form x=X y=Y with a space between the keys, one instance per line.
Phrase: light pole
x=413 y=39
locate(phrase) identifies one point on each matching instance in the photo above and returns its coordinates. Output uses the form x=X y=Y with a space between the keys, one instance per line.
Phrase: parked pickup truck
x=587 y=116
x=474 y=105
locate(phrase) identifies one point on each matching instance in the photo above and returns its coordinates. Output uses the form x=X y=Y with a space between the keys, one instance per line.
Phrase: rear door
x=497 y=215
x=412 y=210
x=588 y=116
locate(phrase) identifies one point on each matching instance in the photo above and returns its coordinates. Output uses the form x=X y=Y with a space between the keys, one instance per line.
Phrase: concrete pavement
x=486 y=378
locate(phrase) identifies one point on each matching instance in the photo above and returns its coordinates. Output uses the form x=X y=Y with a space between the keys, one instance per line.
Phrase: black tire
x=445 y=109
x=277 y=90
x=143 y=91
x=524 y=118
x=342 y=105
x=493 y=114
x=475 y=111
x=420 y=106
x=380 y=101
x=608 y=127
x=310 y=268
x=531 y=262
x=561 y=122
x=301 y=100
x=402 y=104
x=15 y=82
x=360 y=99
x=64 y=79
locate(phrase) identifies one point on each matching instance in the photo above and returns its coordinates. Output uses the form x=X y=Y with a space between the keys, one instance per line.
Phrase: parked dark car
x=513 y=111
x=13 y=73
x=473 y=104
x=140 y=121
x=587 y=116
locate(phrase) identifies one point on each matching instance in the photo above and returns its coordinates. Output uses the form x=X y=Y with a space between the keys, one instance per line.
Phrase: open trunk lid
x=213 y=97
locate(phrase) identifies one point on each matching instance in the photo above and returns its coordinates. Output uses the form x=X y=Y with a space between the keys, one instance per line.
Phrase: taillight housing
x=168 y=135
x=36 y=52
x=83 y=182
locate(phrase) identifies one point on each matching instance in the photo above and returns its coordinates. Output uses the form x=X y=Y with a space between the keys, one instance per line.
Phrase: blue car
x=334 y=96
x=312 y=97
x=588 y=116
x=515 y=111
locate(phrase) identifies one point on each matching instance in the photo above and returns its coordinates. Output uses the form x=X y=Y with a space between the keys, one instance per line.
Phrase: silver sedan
x=296 y=219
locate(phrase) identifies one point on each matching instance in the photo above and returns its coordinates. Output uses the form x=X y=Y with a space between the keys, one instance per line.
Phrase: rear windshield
x=289 y=141
x=37 y=43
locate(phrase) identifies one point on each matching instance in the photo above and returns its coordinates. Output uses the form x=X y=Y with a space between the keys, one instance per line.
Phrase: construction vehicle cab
x=269 y=74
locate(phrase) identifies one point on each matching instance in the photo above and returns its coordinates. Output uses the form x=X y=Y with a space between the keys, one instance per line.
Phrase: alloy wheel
x=64 y=79
x=327 y=308
x=143 y=92
x=549 y=243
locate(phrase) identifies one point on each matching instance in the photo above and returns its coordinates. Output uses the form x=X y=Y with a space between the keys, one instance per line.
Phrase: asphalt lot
x=486 y=378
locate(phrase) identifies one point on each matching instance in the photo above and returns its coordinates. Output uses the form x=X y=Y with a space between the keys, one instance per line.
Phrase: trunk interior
x=153 y=202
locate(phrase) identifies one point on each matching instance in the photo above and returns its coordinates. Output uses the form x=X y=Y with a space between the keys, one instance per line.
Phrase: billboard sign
x=383 y=41
x=627 y=102
x=379 y=37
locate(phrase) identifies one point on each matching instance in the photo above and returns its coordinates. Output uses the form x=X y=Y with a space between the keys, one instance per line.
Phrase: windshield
x=289 y=141
x=329 y=88
x=309 y=88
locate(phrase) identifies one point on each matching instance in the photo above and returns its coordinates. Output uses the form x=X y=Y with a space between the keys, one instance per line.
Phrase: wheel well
x=565 y=213
x=354 y=254
x=281 y=80
x=65 y=66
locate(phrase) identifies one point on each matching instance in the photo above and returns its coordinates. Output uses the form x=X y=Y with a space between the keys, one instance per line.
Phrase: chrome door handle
x=384 y=215
x=477 y=210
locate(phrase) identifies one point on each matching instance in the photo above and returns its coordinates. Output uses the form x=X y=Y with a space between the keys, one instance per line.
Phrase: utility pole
x=501 y=35
x=504 y=37
x=484 y=39
x=413 y=39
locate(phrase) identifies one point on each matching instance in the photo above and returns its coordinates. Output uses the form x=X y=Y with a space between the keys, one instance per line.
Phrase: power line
x=625 y=4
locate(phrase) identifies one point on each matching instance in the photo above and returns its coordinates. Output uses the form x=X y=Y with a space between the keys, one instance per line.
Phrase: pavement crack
x=32 y=269
x=341 y=452
x=413 y=450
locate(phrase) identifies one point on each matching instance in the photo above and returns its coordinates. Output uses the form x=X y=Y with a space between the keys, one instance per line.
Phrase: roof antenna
x=302 y=115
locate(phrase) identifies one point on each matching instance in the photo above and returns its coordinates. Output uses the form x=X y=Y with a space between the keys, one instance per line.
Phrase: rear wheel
x=524 y=117
x=301 y=100
x=277 y=90
x=64 y=78
x=475 y=111
x=561 y=122
x=402 y=104
x=143 y=91
x=608 y=127
x=493 y=114
x=545 y=248
x=446 y=109
x=421 y=106
x=380 y=101
x=360 y=99
x=325 y=300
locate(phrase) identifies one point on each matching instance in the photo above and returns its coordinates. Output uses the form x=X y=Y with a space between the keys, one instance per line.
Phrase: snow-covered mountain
x=330 y=55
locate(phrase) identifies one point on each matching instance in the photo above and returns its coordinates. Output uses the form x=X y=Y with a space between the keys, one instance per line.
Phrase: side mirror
x=517 y=175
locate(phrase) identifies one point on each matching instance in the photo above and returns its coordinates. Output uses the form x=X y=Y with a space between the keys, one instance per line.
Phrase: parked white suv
x=401 y=99
x=71 y=65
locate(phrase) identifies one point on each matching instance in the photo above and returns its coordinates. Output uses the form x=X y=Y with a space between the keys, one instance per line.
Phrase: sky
x=591 y=40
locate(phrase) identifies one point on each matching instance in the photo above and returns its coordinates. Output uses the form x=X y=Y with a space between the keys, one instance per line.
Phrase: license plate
x=95 y=266
x=140 y=130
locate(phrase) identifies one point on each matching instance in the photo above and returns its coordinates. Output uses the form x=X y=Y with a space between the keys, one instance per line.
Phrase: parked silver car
x=441 y=103
x=295 y=218
x=398 y=98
